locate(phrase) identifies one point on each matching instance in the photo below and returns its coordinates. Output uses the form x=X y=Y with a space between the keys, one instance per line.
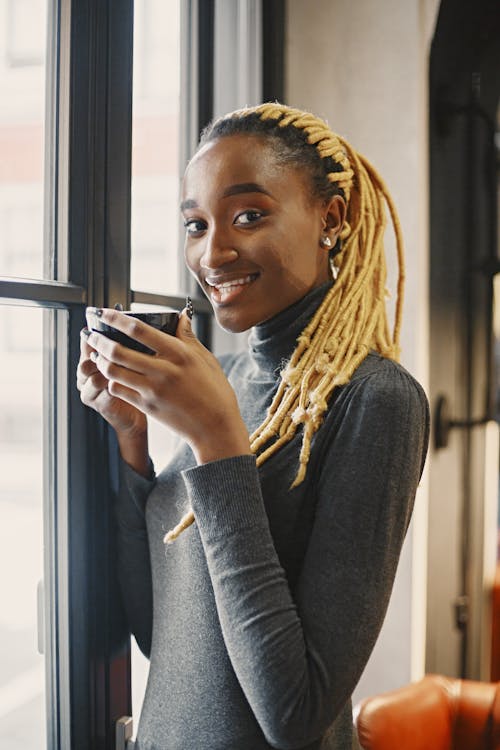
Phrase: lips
x=224 y=289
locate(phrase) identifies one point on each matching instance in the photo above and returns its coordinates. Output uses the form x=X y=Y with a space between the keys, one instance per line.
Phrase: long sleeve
x=298 y=656
x=133 y=563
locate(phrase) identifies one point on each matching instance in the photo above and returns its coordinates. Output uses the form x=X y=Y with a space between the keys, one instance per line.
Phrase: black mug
x=164 y=320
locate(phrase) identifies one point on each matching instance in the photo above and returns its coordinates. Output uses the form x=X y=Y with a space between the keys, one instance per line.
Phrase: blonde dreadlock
x=352 y=318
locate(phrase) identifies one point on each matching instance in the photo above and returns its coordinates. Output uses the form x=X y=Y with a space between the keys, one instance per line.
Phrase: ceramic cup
x=164 y=320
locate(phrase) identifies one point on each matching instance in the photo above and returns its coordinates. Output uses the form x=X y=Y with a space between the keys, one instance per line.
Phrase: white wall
x=364 y=67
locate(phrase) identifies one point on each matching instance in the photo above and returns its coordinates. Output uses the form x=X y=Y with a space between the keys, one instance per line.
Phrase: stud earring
x=325 y=241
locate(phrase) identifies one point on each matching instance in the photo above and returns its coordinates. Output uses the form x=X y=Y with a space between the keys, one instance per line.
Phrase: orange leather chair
x=437 y=713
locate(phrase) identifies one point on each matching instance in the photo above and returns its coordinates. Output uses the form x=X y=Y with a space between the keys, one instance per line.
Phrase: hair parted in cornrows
x=352 y=318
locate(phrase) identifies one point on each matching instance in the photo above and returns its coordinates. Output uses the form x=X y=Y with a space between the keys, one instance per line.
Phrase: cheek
x=294 y=273
x=191 y=258
x=303 y=260
x=302 y=252
x=308 y=270
x=283 y=266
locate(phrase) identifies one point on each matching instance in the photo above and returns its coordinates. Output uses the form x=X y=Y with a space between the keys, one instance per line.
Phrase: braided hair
x=352 y=318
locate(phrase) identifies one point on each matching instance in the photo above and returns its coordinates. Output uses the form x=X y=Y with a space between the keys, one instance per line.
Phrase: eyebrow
x=238 y=189
x=245 y=187
x=188 y=204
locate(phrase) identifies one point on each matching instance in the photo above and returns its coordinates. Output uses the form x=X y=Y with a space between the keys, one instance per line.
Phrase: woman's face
x=252 y=231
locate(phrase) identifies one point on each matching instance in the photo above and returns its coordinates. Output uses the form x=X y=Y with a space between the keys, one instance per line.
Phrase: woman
x=299 y=459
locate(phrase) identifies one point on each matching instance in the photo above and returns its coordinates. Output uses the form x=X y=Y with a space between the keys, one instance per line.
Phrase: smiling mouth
x=225 y=291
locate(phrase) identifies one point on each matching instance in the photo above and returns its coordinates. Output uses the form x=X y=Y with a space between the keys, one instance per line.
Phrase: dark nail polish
x=189 y=308
x=119 y=307
x=85 y=333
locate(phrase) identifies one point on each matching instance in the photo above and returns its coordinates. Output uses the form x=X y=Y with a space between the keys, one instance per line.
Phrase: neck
x=272 y=342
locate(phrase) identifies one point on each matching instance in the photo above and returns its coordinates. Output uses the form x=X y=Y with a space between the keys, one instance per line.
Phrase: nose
x=218 y=250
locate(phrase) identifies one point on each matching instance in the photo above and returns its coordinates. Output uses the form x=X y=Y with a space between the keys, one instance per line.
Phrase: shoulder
x=379 y=419
x=379 y=377
x=382 y=391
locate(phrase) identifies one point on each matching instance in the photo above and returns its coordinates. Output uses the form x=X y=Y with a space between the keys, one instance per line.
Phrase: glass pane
x=23 y=25
x=22 y=682
x=155 y=160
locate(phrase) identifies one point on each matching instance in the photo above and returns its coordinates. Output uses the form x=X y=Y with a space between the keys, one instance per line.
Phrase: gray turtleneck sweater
x=260 y=618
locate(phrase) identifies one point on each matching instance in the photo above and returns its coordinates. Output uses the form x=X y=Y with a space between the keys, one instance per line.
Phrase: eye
x=248 y=217
x=194 y=227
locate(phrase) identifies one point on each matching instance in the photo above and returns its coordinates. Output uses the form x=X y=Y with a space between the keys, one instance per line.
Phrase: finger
x=119 y=354
x=85 y=348
x=86 y=367
x=117 y=373
x=185 y=329
x=129 y=395
x=134 y=328
x=140 y=331
x=106 y=404
x=92 y=387
x=81 y=379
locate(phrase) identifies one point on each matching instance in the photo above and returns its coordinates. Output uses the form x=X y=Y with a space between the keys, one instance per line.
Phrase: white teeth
x=229 y=284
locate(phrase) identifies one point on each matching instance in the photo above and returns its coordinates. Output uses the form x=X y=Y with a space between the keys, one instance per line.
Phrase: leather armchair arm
x=436 y=713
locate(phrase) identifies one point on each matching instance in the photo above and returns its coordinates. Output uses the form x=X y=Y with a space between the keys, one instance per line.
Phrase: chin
x=234 y=324
x=232 y=327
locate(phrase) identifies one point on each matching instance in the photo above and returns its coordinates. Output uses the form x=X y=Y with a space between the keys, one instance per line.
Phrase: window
x=26 y=21
x=23 y=352
x=22 y=124
x=155 y=146
x=22 y=680
x=89 y=177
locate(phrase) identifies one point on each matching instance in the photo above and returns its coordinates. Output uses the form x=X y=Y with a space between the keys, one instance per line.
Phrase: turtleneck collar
x=272 y=342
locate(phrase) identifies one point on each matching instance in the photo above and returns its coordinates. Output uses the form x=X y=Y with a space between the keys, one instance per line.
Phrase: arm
x=184 y=388
x=299 y=658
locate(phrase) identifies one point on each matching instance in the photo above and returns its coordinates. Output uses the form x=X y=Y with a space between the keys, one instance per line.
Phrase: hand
x=182 y=385
x=129 y=423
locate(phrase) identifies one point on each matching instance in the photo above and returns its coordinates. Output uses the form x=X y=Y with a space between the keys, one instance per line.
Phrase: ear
x=333 y=217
